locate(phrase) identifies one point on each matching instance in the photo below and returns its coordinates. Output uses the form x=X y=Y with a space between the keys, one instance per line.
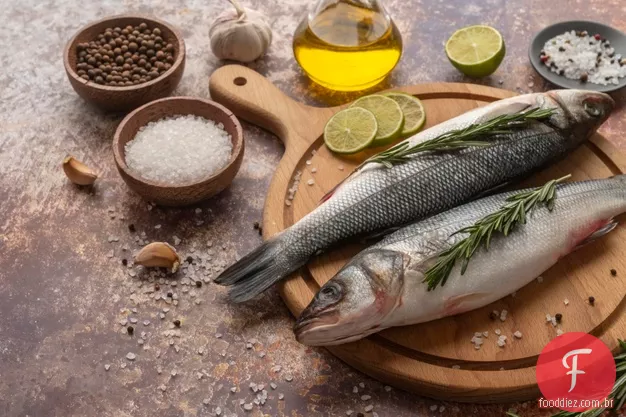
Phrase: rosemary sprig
x=461 y=138
x=503 y=221
x=618 y=393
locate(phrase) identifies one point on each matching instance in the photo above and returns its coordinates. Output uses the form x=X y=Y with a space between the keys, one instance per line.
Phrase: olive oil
x=348 y=46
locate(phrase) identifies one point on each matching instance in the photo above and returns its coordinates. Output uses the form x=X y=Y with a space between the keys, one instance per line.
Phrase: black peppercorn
x=592 y=300
x=170 y=294
x=584 y=77
x=157 y=287
x=124 y=261
x=613 y=272
x=189 y=259
x=130 y=329
x=177 y=323
x=198 y=284
x=493 y=315
x=558 y=317
x=131 y=228
x=256 y=225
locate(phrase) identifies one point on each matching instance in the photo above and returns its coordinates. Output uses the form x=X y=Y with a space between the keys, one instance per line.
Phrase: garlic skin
x=240 y=34
x=158 y=254
x=77 y=172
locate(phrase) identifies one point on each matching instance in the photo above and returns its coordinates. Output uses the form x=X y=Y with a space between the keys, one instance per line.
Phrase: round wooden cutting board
x=437 y=359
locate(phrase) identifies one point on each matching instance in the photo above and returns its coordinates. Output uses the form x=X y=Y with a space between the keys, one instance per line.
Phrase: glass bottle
x=347 y=45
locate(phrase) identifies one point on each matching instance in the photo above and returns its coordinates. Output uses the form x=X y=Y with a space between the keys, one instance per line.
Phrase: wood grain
x=122 y=99
x=165 y=194
x=420 y=358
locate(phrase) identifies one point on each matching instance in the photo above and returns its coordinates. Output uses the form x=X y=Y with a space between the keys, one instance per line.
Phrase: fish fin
x=330 y=193
x=259 y=269
x=606 y=229
x=462 y=303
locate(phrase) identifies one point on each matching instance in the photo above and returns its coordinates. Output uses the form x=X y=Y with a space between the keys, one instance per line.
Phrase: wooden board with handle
x=436 y=359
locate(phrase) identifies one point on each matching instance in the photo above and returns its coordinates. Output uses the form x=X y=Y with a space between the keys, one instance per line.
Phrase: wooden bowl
x=184 y=194
x=121 y=99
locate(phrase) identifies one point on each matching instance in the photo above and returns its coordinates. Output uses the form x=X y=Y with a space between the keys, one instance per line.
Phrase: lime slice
x=476 y=51
x=350 y=130
x=388 y=115
x=413 y=110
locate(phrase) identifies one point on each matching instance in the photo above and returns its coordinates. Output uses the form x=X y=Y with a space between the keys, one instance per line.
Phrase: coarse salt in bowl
x=178 y=151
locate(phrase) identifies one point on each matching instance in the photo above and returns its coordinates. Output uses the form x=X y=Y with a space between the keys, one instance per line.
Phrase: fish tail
x=260 y=269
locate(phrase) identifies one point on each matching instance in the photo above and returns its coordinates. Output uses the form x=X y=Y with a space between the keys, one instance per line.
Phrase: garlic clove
x=78 y=172
x=158 y=254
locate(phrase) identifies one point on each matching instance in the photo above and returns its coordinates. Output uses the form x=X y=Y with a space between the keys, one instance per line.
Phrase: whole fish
x=377 y=198
x=383 y=286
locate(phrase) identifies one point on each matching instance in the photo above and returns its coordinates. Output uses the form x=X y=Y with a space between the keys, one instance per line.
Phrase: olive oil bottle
x=347 y=45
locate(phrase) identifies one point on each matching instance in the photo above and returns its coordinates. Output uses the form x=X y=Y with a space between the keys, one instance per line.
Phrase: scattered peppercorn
x=115 y=56
x=177 y=323
x=584 y=77
x=189 y=259
x=131 y=228
x=255 y=225
x=130 y=329
x=198 y=284
x=157 y=287
x=592 y=300
x=124 y=261
x=613 y=272
x=561 y=49
x=260 y=230
x=493 y=315
x=169 y=294
x=558 y=317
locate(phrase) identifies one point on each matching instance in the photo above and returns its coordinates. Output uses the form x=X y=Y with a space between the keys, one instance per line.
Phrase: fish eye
x=330 y=292
x=592 y=110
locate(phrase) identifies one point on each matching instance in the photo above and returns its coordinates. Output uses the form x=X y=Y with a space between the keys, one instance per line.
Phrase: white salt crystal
x=179 y=150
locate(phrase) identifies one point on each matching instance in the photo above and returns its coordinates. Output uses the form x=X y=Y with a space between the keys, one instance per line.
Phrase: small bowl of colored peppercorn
x=122 y=62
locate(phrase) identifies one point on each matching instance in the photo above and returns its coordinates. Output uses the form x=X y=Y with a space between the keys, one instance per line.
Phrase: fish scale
x=426 y=187
x=368 y=295
x=377 y=198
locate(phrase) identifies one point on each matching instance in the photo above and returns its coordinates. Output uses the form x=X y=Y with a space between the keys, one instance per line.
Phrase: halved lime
x=388 y=115
x=350 y=130
x=476 y=51
x=413 y=110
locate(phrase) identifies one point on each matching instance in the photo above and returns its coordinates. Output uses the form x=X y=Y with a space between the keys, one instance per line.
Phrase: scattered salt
x=179 y=150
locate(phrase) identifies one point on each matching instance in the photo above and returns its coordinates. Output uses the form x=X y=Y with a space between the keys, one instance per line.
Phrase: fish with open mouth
x=383 y=286
x=377 y=198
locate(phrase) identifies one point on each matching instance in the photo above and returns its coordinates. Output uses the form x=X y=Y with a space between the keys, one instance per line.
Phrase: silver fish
x=376 y=198
x=383 y=285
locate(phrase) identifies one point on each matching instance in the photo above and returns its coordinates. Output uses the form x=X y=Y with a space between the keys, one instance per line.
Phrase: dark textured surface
x=62 y=297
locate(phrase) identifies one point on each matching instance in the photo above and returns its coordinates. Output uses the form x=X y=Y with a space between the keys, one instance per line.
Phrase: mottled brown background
x=61 y=298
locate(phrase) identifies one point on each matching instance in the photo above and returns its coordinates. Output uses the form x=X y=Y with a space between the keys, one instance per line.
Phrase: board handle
x=255 y=99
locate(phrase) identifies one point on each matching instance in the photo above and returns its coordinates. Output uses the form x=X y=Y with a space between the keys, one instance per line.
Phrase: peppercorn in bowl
x=122 y=62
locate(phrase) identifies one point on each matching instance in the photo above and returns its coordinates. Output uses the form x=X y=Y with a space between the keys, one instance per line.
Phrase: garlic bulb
x=241 y=34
